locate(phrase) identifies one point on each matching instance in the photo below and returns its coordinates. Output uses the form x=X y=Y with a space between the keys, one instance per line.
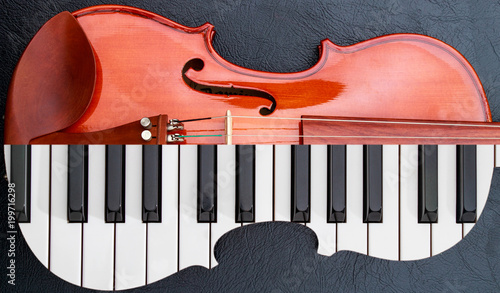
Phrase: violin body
x=146 y=65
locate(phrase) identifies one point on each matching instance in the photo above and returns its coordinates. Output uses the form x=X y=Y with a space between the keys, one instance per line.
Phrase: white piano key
x=383 y=238
x=485 y=164
x=263 y=183
x=352 y=235
x=65 y=238
x=414 y=237
x=6 y=149
x=162 y=237
x=282 y=182
x=130 y=248
x=325 y=231
x=226 y=185
x=446 y=232
x=194 y=244
x=98 y=236
x=36 y=232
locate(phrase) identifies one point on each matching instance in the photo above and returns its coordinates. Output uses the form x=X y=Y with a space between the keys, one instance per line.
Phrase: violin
x=121 y=75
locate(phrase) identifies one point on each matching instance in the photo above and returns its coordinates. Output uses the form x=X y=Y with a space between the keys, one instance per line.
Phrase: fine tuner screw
x=174 y=125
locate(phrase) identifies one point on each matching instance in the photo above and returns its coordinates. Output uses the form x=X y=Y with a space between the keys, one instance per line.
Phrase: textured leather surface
x=283 y=36
x=281 y=257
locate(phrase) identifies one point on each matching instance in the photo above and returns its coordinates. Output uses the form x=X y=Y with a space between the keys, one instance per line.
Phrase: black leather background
x=283 y=36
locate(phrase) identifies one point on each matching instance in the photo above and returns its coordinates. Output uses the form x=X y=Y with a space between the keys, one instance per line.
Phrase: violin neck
x=341 y=130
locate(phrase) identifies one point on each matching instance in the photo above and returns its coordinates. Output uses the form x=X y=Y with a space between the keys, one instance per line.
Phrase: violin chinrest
x=53 y=82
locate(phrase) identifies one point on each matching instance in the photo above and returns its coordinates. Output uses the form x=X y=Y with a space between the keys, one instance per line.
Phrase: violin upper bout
x=53 y=82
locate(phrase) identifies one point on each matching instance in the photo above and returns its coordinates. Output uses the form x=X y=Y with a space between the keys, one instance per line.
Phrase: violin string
x=200 y=119
x=353 y=121
x=348 y=136
x=345 y=136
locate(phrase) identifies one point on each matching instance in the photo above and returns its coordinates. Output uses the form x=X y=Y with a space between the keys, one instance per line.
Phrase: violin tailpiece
x=137 y=132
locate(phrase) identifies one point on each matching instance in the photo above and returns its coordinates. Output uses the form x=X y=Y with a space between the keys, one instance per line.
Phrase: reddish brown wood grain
x=141 y=56
x=348 y=130
x=129 y=133
x=53 y=82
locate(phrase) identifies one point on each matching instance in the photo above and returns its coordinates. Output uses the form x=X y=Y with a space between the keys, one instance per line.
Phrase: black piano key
x=207 y=183
x=245 y=183
x=115 y=184
x=78 y=183
x=301 y=183
x=20 y=173
x=151 y=184
x=372 y=183
x=336 y=170
x=466 y=184
x=427 y=183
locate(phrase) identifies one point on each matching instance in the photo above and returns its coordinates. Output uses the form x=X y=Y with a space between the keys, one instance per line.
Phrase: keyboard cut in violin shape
x=119 y=217
x=124 y=215
x=111 y=66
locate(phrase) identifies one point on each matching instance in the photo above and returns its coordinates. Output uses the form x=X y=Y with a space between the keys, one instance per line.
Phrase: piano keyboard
x=118 y=217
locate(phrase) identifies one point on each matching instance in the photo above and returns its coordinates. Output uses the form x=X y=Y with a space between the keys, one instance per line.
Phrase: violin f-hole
x=198 y=64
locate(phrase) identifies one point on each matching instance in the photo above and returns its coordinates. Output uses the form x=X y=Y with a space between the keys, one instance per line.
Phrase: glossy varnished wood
x=129 y=133
x=147 y=65
x=398 y=76
x=53 y=82
x=348 y=130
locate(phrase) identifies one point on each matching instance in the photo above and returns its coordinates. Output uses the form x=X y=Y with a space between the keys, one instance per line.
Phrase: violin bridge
x=228 y=125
